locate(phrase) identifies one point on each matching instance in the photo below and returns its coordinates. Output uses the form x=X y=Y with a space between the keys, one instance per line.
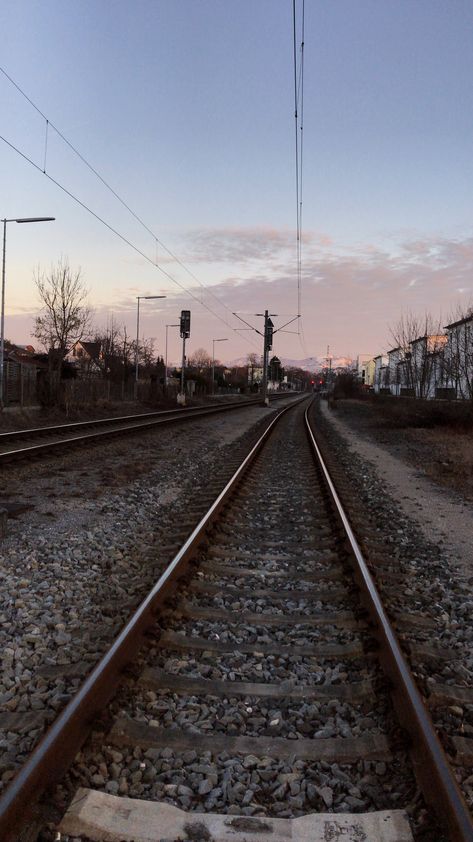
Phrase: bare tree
x=66 y=315
x=118 y=352
x=253 y=361
x=420 y=342
x=146 y=355
x=127 y=352
x=200 y=359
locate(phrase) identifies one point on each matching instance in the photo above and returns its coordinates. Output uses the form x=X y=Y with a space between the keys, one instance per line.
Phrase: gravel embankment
x=101 y=525
x=431 y=576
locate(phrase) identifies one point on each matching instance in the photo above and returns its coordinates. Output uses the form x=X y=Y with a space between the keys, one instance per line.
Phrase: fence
x=78 y=393
x=20 y=384
x=27 y=386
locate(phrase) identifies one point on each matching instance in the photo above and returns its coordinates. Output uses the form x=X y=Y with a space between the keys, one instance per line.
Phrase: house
x=87 y=358
x=395 y=370
x=364 y=369
x=458 y=359
x=425 y=364
x=380 y=373
x=403 y=376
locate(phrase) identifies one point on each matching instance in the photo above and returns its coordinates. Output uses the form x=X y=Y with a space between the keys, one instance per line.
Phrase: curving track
x=258 y=694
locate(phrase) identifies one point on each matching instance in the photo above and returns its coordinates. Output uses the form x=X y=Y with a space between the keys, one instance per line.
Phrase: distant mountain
x=308 y=364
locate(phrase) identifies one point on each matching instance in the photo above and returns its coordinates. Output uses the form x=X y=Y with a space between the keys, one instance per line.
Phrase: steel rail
x=60 y=744
x=170 y=416
x=431 y=765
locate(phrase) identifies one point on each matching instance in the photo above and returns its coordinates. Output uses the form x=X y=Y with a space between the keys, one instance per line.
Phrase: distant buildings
x=458 y=359
x=86 y=357
x=365 y=369
x=431 y=366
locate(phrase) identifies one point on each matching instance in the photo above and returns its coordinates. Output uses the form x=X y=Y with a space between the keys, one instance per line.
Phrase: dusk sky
x=186 y=108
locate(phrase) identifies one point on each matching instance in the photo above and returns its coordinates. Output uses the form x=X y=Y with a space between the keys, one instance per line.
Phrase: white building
x=458 y=359
x=395 y=371
x=380 y=372
x=363 y=368
x=426 y=364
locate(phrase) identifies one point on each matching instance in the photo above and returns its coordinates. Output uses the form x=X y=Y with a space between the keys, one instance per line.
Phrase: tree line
x=66 y=319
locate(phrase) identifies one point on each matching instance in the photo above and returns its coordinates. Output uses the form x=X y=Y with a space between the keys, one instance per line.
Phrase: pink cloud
x=350 y=297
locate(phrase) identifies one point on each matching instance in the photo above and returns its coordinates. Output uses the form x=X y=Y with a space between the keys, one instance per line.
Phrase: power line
x=296 y=146
x=117 y=233
x=298 y=151
x=49 y=124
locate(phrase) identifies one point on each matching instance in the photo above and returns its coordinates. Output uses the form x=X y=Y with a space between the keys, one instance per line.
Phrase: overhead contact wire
x=119 y=198
x=117 y=233
x=298 y=119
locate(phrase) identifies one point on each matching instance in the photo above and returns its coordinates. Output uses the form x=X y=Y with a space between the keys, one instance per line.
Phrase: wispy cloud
x=244 y=245
x=350 y=295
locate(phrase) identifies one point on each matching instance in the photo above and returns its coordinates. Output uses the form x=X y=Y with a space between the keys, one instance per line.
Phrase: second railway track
x=37 y=441
x=258 y=697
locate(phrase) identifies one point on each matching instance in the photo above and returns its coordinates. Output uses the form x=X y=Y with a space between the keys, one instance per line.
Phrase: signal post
x=185 y=331
x=267 y=345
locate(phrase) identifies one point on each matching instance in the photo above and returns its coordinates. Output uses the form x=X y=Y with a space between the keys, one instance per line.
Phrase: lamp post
x=213 y=360
x=2 y=326
x=166 y=356
x=139 y=298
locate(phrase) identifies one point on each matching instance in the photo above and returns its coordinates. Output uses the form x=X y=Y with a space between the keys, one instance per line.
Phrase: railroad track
x=40 y=440
x=254 y=704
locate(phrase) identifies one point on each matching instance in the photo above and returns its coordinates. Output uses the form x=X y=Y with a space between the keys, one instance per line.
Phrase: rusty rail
x=57 y=749
x=432 y=768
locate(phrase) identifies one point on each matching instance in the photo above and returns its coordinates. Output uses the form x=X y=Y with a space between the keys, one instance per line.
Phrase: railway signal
x=268 y=332
x=268 y=344
x=185 y=330
x=185 y=324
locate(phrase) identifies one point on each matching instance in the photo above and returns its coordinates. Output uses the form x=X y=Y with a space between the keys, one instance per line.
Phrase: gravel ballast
x=101 y=527
x=420 y=568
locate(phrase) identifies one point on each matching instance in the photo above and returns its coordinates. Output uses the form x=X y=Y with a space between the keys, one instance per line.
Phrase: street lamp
x=139 y=298
x=166 y=356
x=213 y=360
x=2 y=327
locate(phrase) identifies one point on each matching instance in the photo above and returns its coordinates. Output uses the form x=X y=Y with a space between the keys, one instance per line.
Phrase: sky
x=186 y=109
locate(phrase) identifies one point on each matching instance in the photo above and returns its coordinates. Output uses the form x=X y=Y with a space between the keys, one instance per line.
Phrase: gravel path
x=442 y=515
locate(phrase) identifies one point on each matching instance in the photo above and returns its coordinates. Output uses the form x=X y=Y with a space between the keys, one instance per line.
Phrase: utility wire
x=301 y=138
x=117 y=233
x=296 y=147
x=298 y=70
x=51 y=125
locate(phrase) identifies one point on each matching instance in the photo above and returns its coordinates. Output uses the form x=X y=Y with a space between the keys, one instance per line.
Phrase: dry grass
x=450 y=459
x=433 y=436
